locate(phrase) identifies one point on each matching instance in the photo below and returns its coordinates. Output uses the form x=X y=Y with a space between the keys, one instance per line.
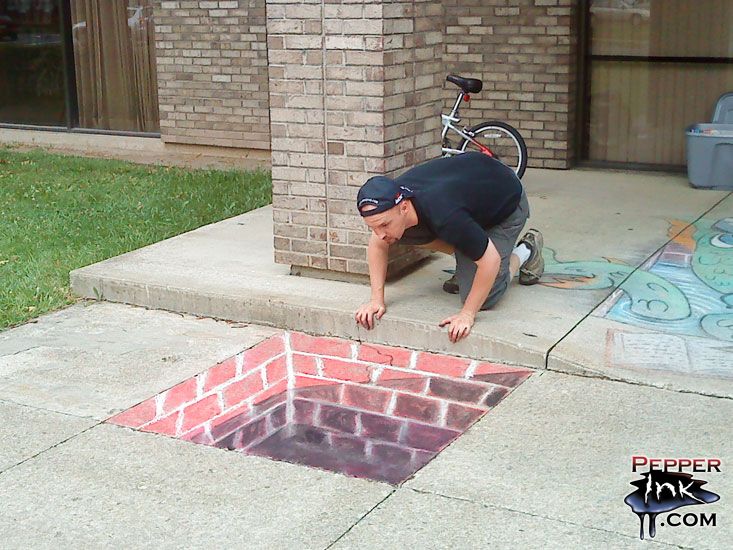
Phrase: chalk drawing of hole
x=324 y=403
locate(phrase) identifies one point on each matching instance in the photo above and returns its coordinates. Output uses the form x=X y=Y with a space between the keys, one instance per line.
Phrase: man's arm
x=377 y=257
x=487 y=268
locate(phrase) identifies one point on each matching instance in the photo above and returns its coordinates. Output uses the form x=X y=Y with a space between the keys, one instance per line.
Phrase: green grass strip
x=58 y=213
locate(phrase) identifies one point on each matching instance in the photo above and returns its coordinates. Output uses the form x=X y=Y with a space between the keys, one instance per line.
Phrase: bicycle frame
x=448 y=121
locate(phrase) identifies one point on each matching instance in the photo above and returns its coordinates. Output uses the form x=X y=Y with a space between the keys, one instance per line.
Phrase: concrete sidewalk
x=637 y=288
x=628 y=292
x=549 y=467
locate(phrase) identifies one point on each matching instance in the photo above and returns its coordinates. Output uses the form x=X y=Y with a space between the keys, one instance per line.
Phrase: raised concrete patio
x=610 y=223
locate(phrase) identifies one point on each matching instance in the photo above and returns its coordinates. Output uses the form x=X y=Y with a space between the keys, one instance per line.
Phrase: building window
x=79 y=64
x=655 y=66
x=32 y=87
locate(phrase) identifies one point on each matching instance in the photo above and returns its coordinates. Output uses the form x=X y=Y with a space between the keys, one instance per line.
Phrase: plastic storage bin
x=724 y=109
x=710 y=156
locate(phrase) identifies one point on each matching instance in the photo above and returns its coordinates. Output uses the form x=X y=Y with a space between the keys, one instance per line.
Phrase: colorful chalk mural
x=687 y=288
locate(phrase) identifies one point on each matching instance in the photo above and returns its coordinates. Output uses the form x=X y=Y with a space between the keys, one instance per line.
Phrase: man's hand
x=459 y=325
x=366 y=313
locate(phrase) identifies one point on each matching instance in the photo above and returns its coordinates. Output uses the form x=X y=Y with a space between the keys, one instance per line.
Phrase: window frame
x=584 y=67
x=70 y=94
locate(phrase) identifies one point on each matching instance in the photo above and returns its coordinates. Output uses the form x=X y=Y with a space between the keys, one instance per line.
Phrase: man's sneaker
x=534 y=267
x=451 y=285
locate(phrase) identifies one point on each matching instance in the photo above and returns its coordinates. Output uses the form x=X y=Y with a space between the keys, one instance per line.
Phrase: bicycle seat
x=468 y=85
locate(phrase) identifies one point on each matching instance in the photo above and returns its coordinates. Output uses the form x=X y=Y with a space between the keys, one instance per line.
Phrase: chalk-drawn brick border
x=375 y=401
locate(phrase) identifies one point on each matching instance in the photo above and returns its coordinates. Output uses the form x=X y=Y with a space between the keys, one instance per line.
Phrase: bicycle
x=493 y=138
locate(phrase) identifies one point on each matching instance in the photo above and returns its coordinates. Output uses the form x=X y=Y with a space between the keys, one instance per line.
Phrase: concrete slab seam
x=19 y=351
x=11 y=402
x=549 y=518
x=587 y=372
x=342 y=535
x=49 y=448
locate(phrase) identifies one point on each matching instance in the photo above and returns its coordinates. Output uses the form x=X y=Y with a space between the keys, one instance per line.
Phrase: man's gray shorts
x=504 y=236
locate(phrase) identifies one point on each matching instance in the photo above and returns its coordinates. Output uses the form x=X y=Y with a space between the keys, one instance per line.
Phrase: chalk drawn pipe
x=652 y=297
x=712 y=259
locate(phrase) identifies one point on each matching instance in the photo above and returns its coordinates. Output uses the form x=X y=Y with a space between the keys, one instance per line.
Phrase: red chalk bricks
x=417 y=408
x=396 y=357
x=457 y=390
x=165 y=426
x=220 y=374
x=388 y=427
x=336 y=418
x=495 y=395
x=368 y=398
x=137 y=415
x=202 y=411
x=509 y=379
x=262 y=352
x=276 y=371
x=409 y=381
x=332 y=347
x=304 y=411
x=305 y=364
x=380 y=427
x=271 y=392
x=180 y=394
x=442 y=364
x=460 y=418
x=243 y=389
x=429 y=438
x=345 y=370
x=501 y=375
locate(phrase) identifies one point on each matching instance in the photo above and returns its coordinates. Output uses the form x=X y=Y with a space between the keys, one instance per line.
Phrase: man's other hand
x=366 y=314
x=459 y=325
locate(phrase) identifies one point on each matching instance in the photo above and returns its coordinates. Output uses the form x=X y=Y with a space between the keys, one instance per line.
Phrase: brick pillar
x=355 y=91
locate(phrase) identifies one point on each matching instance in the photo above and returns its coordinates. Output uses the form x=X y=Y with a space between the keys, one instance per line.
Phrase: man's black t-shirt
x=457 y=198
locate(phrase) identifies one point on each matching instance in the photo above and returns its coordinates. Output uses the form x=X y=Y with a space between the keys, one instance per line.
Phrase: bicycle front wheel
x=503 y=141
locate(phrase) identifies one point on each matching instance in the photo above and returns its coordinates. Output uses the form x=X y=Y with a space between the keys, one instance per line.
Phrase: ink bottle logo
x=666 y=486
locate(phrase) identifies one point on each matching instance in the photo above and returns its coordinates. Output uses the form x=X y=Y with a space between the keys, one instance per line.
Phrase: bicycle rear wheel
x=504 y=142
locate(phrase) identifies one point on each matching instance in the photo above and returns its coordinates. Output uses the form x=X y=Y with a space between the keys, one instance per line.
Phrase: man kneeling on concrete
x=470 y=205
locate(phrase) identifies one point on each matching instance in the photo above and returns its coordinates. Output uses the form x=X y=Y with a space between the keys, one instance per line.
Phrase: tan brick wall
x=213 y=81
x=354 y=92
x=413 y=77
x=525 y=53
x=354 y=88
x=212 y=72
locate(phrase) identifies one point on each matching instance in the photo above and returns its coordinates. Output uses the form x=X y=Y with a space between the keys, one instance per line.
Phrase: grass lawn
x=58 y=213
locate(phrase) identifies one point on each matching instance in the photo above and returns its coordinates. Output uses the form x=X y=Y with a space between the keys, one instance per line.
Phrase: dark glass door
x=32 y=87
x=87 y=64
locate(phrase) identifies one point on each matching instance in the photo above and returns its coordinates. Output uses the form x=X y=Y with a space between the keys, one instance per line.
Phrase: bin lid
x=724 y=109
x=710 y=130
